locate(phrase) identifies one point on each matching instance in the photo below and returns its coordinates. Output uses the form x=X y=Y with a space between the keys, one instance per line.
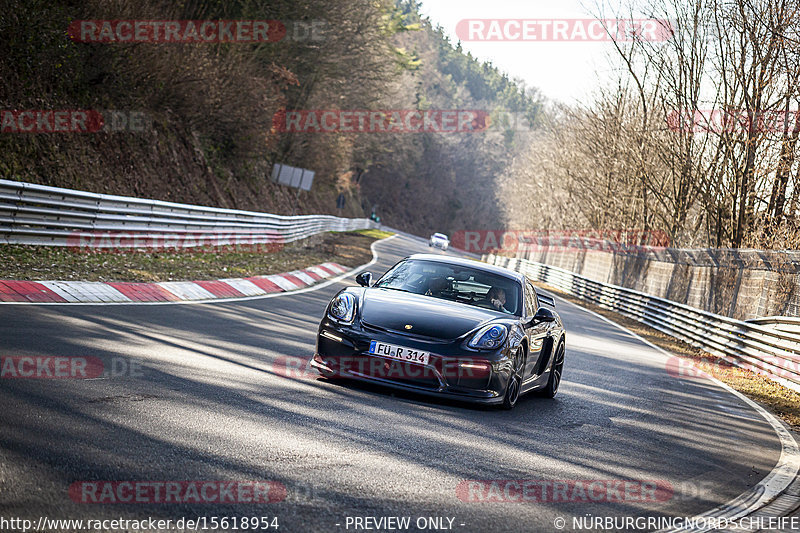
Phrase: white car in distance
x=439 y=240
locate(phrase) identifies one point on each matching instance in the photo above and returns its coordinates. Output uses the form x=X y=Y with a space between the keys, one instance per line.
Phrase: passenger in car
x=496 y=297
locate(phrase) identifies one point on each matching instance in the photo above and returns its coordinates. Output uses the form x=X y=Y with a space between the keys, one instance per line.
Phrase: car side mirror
x=543 y=314
x=364 y=279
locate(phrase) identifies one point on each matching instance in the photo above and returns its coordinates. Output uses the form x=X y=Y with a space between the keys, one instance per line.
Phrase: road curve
x=209 y=392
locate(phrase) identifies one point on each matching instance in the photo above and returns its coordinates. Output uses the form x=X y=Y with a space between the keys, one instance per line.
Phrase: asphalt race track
x=211 y=392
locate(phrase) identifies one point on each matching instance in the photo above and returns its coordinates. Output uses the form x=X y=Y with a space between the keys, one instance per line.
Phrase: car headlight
x=489 y=337
x=343 y=307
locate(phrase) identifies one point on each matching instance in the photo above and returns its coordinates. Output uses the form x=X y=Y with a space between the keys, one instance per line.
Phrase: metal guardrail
x=52 y=216
x=757 y=347
x=787 y=324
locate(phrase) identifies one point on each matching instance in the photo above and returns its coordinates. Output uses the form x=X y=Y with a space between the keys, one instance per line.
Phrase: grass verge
x=781 y=401
x=34 y=263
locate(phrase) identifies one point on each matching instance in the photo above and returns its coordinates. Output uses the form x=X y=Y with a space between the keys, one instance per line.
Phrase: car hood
x=427 y=316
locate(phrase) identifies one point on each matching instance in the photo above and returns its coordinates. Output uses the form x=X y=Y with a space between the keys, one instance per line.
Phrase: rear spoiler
x=546 y=299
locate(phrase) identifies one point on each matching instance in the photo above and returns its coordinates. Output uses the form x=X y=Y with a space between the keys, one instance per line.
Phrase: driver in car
x=436 y=286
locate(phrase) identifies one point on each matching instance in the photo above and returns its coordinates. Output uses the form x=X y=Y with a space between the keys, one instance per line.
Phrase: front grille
x=396 y=371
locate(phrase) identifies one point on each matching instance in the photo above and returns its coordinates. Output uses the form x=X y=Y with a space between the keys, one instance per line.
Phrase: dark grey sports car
x=445 y=326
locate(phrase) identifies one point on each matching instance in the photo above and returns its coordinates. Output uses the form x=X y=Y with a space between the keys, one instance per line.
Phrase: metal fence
x=52 y=216
x=758 y=347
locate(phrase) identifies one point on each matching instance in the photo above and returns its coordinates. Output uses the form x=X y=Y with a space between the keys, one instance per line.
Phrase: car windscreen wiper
x=397 y=289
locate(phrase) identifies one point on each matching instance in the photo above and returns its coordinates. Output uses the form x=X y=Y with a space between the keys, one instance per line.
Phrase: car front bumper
x=452 y=372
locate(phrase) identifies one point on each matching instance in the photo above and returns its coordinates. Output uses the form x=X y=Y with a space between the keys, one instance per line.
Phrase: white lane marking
x=767 y=489
x=318 y=286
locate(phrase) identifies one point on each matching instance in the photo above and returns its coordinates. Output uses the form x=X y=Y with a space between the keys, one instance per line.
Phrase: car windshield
x=439 y=236
x=463 y=284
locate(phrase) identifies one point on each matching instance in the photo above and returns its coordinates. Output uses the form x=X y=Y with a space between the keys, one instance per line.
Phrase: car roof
x=462 y=261
x=440 y=235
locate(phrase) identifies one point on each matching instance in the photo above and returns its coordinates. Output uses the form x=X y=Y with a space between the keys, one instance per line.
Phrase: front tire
x=551 y=389
x=514 y=385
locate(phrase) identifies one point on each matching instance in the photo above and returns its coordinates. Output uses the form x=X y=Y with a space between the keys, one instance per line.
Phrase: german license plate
x=401 y=353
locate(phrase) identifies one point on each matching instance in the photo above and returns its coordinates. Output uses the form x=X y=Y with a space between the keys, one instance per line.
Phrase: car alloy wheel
x=515 y=380
x=556 y=372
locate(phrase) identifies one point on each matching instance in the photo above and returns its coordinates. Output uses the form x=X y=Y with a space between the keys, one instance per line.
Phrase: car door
x=536 y=333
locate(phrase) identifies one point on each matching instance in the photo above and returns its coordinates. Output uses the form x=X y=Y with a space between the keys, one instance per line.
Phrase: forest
x=210 y=107
x=696 y=136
